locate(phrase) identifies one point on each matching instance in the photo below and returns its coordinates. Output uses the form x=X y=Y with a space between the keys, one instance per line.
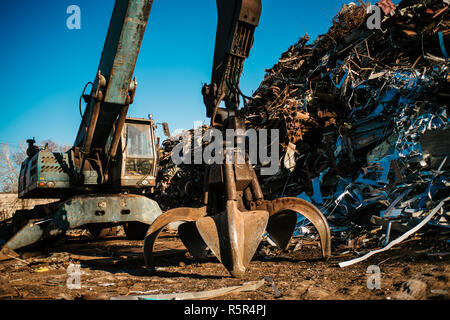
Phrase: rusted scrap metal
x=387 y=6
x=234 y=234
x=180 y=185
x=376 y=103
x=202 y=295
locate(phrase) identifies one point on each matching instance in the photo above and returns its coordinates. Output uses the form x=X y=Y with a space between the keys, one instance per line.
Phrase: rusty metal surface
x=234 y=236
x=237 y=20
x=113 y=88
x=80 y=211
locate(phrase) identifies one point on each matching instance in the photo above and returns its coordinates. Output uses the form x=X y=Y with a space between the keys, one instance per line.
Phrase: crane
x=234 y=216
x=114 y=160
x=113 y=154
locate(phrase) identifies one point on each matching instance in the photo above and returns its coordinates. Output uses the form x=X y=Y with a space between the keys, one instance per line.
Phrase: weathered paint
x=117 y=63
x=45 y=167
x=119 y=70
x=82 y=210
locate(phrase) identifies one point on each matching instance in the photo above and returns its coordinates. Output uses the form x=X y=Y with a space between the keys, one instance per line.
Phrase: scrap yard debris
x=249 y=286
x=364 y=126
x=179 y=185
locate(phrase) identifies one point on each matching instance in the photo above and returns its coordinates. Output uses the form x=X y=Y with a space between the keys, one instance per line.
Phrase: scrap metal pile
x=179 y=185
x=363 y=120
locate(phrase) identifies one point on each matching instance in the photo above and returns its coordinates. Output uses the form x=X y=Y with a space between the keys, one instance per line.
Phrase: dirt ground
x=114 y=267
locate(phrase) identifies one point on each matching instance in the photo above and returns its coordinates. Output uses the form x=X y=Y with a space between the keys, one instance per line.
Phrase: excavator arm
x=235 y=215
x=113 y=88
x=236 y=25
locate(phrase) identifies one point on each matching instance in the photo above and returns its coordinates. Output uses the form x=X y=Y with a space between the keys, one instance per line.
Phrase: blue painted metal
x=45 y=170
x=119 y=71
x=442 y=45
x=54 y=167
x=84 y=167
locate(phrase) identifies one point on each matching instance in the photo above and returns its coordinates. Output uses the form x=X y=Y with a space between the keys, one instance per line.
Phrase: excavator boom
x=113 y=88
x=236 y=25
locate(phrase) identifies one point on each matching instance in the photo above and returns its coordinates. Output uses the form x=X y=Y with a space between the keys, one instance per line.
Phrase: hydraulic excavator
x=101 y=180
x=235 y=215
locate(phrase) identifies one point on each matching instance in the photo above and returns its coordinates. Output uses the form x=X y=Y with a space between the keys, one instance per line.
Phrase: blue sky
x=44 y=65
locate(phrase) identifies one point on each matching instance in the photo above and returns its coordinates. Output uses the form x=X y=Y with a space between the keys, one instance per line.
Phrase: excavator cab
x=138 y=162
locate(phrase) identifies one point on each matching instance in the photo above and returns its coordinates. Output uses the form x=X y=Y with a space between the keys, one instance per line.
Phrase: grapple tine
x=281 y=226
x=173 y=215
x=280 y=210
x=234 y=236
x=192 y=240
x=255 y=227
x=212 y=232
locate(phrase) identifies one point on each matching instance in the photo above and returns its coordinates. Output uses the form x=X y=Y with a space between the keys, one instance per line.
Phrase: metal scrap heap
x=363 y=116
x=179 y=185
x=363 y=120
